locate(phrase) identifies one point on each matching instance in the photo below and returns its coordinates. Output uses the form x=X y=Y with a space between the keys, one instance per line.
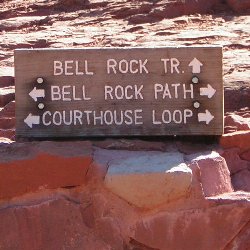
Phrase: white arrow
x=196 y=66
x=205 y=117
x=35 y=93
x=209 y=91
x=32 y=119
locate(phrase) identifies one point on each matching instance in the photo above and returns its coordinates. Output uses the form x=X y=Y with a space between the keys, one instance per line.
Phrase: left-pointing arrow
x=36 y=93
x=32 y=119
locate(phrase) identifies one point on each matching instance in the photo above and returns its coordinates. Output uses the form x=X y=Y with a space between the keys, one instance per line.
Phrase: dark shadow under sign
x=119 y=92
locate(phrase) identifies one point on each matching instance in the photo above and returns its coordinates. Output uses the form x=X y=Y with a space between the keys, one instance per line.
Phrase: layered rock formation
x=169 y=193
x=82 y=195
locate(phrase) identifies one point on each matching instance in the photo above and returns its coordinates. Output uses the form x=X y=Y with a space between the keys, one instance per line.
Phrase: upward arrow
x=36 y=93
x=196 y=66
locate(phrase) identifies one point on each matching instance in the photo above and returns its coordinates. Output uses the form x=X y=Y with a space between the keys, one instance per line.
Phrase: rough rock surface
x=239 y=5
x=153 y=174
x=46 y=165
x=214 y=174
x=54 y=195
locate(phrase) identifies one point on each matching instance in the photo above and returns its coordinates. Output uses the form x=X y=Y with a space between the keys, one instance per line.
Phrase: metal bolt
x=196 y=104
x=195 y=80
x=41 y=105
x=39 y=80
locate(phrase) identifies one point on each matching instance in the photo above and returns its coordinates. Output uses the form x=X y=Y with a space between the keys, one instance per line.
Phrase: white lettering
x=138 y=92
x=176 y=85
x=68 y=93
x=87 y=69
x=55 y=93
x=167 y=116
x=43 y=118
x=174 y=64
x=187 y=113
x=165 y=64
x=78 y=73
x=58 y=69
x=119 y=92
x=57 y=118
x=68 y=66
x=111 y=64
x=96 y=118
x=71 y=67
x=77 y=117
x=191 y=91
x=143 y=66
x=108 y=91
x=131 y=69
x=177 y=116
x=128 y=114
x=138 y=117
x=93 y=118
x=153 y=118
x=123 y=66
x=108 y=113
x=65 y=93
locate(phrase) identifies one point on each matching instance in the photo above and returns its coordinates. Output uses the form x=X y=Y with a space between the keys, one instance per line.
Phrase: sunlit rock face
x=158 y=177
x=127 y=193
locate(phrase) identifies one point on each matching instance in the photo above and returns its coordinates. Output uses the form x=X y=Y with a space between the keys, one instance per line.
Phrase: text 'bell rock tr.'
x=119 y=92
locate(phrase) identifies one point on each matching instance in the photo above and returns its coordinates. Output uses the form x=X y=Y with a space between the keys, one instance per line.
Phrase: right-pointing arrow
x=36 y=93
x=205 y=117
x=209 y=91
x=32 y=119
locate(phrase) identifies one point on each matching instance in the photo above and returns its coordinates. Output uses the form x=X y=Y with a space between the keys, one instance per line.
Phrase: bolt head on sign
x=119 y=92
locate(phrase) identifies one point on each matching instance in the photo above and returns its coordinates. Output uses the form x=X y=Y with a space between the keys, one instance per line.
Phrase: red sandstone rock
x=164 y=9
x=8 y=110
x=94 y=219
x=242 y=240
x=5 y=141
x=236 y=97
x=245 y=155
x=188 y=148
x=46 y=165
x=135 y=145
x=55 y=224
x=215 y=176
x=203 y=229
x=100 y=220
x=6 y=77
x=234 y=162
x=237 y=121
x=7 y=123
x=241 y=180
x=239 y=5
x=7 y=95
x=7 y=133
x=239 y=140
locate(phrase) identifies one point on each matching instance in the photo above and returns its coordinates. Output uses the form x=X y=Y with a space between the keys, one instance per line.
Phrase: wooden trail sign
x=119 y=91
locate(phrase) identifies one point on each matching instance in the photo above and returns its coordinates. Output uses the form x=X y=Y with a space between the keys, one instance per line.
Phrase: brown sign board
x=118 y=92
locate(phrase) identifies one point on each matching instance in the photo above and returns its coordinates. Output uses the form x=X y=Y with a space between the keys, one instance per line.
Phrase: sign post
x=119 y=92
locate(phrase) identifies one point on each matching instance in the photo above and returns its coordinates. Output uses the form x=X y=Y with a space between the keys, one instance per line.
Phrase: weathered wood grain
x=144 y=74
